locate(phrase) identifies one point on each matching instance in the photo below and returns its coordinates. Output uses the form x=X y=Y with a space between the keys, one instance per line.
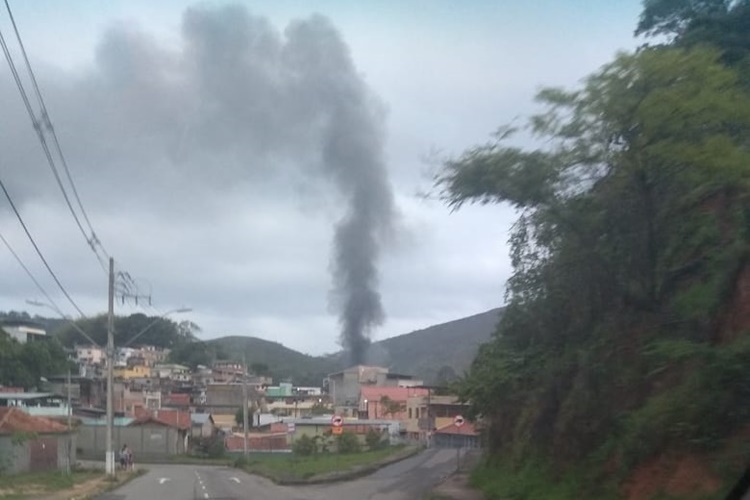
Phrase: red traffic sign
x=337 y=421
x=458 y=421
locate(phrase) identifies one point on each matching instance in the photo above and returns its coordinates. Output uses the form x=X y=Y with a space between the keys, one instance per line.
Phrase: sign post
x=458 y=422
x=337 y=428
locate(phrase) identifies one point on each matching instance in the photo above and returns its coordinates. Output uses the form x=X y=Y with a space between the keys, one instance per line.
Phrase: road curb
x=354 y=473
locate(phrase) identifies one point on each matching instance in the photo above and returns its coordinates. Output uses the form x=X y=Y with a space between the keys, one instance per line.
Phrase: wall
x=46 y=452
x=148 y=442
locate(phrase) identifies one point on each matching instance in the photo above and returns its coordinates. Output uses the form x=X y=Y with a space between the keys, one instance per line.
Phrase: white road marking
x=203 y=486
x=163 y=480
x=205 y=495
x=236 y=480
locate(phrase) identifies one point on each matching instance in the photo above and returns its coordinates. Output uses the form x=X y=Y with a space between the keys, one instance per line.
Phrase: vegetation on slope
x=624 y=338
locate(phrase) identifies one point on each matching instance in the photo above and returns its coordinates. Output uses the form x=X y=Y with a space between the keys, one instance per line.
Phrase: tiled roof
x=177 y=400
x=16 y=420
x=374 y=393
x=171 y=418
x=467 y=429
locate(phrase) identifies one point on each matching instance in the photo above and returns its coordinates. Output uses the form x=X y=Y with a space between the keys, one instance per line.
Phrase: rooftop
x=14 y=420
x=375 y=393
x=25 y=395
x=467 y=429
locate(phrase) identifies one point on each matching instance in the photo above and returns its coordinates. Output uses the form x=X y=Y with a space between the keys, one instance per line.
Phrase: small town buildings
x=34 y=444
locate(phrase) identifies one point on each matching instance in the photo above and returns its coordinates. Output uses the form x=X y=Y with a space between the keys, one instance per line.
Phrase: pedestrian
x=124 y=457
x=130 y=460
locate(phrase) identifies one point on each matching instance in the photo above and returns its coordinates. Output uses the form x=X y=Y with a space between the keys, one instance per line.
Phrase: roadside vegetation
x=80 y=483
x=621 y=359
x=324 y=458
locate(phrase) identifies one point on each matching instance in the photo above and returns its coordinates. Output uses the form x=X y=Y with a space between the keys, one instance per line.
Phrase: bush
x=374 y=440
x=348 y=443
x=304 y=446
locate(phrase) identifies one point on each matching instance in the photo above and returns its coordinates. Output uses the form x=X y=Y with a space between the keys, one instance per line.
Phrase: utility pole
x=244 y=403
x=109 y=459
x=70 y=427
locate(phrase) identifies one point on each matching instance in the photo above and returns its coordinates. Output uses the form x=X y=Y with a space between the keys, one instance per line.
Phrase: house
x=172 y=371
x=127 y=373
x=387 y=402
x=451 y=436
x=177 y=400
x=38 y=404
x=88 y=354
x=155 y=435
x=225 y=422
x=425 y=413
x=33 y=444
x=344 y=386
x=23 y=330
x=202 y=425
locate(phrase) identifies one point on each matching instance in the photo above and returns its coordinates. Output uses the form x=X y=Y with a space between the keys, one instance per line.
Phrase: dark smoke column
x=353 y=155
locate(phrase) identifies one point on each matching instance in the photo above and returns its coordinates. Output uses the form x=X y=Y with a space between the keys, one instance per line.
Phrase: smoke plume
x=235 y=104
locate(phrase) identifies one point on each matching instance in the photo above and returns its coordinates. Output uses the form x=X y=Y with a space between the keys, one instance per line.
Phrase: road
x=405 y=480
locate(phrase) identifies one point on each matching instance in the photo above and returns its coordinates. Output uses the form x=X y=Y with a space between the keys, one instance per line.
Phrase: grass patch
x=288 y=467
x=537 y=480
x=194 y=460
x=39 y=483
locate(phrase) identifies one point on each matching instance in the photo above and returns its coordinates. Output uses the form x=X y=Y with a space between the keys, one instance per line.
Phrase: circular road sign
x=458 y=421
x=337 y=421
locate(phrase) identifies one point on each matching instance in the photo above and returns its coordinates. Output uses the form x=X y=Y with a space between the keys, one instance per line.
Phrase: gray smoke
x=353 y=155
x=236 y=103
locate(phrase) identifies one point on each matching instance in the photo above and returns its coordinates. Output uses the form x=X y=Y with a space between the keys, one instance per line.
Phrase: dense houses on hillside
x=164 y=408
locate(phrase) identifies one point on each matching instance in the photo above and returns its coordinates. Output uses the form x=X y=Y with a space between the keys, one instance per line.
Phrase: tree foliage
x=23 y=365
x=631 y=229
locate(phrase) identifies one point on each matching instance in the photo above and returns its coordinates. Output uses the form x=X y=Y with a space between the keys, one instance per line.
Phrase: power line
x=30 y=275
x=48 y=124
x=38 y=251
x=45 y=147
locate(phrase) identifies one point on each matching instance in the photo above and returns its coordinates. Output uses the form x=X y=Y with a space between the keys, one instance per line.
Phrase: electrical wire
x=38 y=251
x=51 y=129
x=28 y=273
x=50 y=160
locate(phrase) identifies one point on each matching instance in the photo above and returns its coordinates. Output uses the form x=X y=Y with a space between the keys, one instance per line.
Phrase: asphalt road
x=405 y=480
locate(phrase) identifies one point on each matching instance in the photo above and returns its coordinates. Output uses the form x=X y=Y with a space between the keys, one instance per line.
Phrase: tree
x=374 y=439
x=630 y=221
x=688 y=23
x=391 y=407
x=25 y=364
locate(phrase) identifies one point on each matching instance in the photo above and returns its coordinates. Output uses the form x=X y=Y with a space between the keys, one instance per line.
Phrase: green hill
x=283 y=363
x=446 y=349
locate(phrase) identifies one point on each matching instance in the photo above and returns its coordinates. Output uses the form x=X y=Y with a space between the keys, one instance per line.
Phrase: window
x=409 y=412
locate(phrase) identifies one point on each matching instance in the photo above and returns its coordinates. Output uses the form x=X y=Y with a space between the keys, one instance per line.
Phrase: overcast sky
x=223 y=207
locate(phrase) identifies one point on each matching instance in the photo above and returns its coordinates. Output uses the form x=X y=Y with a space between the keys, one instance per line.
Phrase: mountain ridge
x=434 y=354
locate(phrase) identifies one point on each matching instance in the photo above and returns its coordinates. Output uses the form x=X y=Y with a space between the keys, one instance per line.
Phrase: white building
x=89 y=354
x=23 y=332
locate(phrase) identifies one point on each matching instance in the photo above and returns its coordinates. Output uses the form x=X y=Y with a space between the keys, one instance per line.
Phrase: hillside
x=282 y=362
x=449 y=346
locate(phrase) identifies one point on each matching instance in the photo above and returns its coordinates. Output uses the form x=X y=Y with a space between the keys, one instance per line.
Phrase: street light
x=148 y=327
